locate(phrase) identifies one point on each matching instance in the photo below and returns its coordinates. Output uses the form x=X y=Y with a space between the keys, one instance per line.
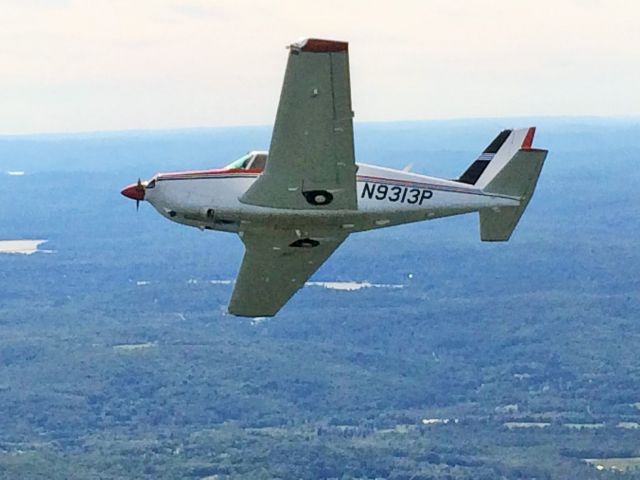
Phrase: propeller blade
x=140 y=188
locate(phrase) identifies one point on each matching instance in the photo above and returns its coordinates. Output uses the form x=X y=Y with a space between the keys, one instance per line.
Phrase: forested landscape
x=465 y=360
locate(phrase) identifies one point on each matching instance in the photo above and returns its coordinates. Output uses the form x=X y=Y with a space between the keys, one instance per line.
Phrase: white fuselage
x=210 y=199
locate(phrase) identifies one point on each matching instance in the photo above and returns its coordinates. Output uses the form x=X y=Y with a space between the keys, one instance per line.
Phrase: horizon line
x=151 y=130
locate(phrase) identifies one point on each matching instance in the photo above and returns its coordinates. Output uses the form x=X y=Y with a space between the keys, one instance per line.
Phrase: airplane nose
x=135 y=191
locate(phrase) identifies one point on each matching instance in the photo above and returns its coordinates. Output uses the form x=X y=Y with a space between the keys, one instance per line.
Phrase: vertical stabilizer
x=496 y=156
x=510 y=167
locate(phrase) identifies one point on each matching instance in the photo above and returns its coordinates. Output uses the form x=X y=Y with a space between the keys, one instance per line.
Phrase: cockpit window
x=240 y=164
x=151 y=184
x=251 y=161
x=259 y=162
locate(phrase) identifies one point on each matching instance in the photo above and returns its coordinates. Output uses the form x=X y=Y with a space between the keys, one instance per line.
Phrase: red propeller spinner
x=134 y=192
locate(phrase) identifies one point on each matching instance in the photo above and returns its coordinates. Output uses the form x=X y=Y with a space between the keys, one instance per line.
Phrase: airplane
x=295 y=204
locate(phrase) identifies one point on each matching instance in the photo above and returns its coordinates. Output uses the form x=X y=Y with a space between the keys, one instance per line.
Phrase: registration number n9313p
x=395 y=193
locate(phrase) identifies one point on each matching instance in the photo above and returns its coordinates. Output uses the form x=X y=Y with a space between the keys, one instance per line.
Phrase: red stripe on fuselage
x=212 y=173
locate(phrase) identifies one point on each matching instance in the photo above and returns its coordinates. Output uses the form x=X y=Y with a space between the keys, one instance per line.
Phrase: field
x=455 y=360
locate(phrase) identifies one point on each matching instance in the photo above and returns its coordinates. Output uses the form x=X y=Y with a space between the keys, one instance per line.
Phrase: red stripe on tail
x=528 y=139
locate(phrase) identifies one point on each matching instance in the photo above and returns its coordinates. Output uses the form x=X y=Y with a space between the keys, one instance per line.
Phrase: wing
x=311 y=161
x=276 y=265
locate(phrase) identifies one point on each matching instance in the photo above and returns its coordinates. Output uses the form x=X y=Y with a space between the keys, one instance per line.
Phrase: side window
x=259 y=162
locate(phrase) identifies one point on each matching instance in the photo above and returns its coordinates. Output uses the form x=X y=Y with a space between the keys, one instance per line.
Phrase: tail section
x=496 y=155
x=509 y=167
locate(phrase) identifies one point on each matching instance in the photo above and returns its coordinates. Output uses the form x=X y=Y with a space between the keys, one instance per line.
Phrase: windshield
x=241 y=163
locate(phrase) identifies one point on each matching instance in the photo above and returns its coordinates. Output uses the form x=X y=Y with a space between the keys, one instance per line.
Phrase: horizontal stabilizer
x=517 y=179
x=498 y=226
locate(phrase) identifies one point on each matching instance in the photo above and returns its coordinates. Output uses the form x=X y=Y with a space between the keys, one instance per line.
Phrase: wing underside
x=275 y=266
x=311 y=159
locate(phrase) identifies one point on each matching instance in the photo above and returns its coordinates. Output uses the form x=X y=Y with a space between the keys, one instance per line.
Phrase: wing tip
x=238 y=311
x=318 y=45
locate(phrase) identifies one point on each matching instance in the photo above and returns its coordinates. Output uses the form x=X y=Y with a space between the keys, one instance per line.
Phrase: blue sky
x=84 y=65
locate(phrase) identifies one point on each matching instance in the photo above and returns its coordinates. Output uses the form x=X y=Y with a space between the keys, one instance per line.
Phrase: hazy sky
x=78 y=65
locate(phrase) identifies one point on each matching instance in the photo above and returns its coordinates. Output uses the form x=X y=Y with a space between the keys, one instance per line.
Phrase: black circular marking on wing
x=318 y=197
x=305 y=243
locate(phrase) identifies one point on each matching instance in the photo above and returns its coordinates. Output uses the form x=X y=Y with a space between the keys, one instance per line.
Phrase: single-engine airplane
x=295 y=204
